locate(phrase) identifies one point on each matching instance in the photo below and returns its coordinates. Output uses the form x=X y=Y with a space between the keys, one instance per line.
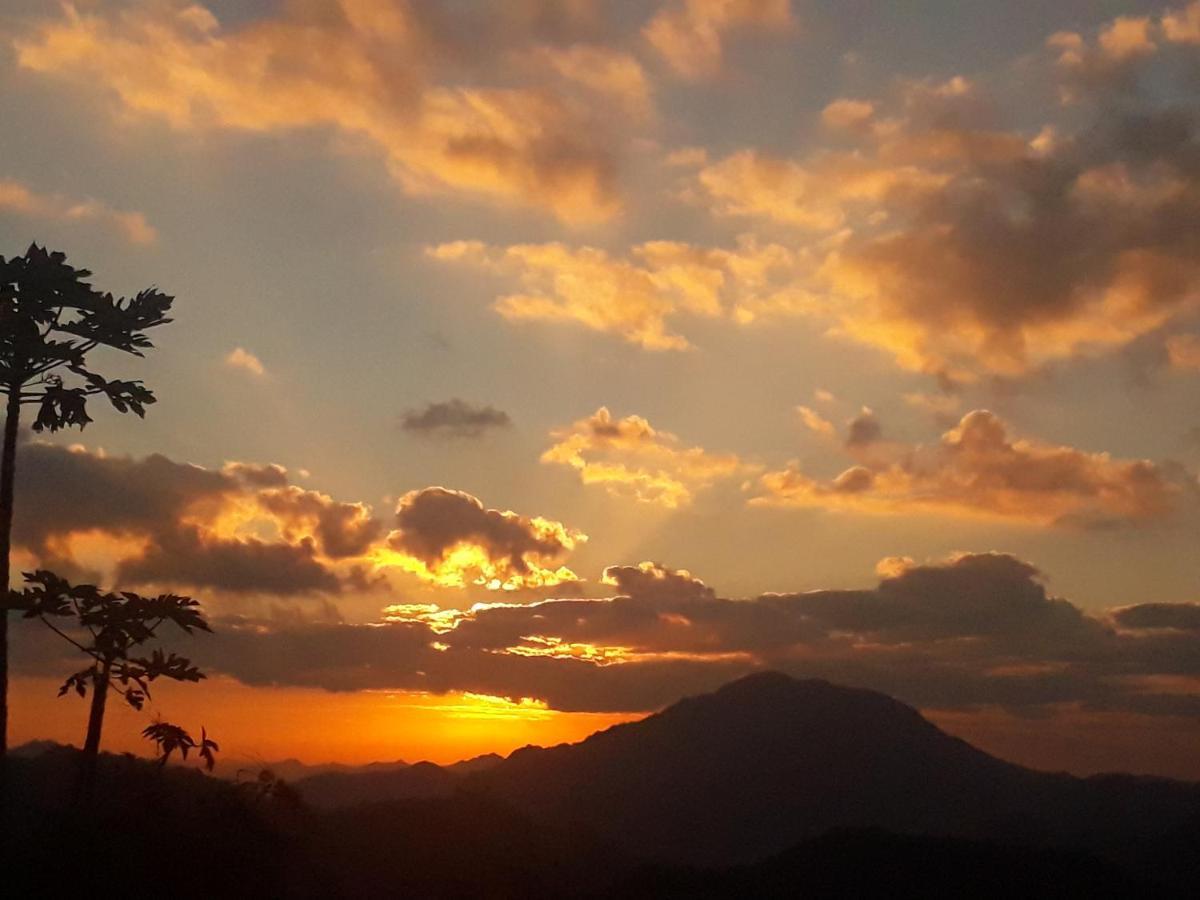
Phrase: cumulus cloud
x=690 y=34
x=18 y=198
x=454 y=419
x=1173 y=616
x=637 y=298
x=1182 y=26
x=973 y=631
x=246 y=529
x=1183 y=351
x=447 y=117
x=978 y=469
x=603 y=71
x=449 y=538
x=243 y=359
x=629 y=457
x=815 y=422
x=964 y=247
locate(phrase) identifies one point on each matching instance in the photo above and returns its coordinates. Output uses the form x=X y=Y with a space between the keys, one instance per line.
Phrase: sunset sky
x=536 y=363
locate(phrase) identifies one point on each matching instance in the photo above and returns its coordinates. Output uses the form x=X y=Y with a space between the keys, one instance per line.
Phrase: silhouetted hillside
x=770 y=761
x=339 y=789
x=761 y=788
x=867 y=864
x=370 y=784
x=150 y=831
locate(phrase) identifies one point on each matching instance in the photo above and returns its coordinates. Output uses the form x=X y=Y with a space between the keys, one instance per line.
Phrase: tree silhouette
x=51 y=319
x=108 y=627
x=169 y=738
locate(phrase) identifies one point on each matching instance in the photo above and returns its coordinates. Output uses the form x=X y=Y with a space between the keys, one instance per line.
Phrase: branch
x=66 y=637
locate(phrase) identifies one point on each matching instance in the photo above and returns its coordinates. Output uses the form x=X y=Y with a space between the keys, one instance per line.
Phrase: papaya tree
x=169 y=738
x=51 y=321
x=110 y=629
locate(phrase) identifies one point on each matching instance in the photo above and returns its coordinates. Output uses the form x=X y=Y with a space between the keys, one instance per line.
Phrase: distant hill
x=877 y=864
x=770 y=761
x=368 y=784
x=766 y=786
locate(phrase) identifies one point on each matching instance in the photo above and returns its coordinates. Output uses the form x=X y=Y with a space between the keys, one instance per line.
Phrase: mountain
x=877 y=864
x=769 y=761
x=293 y=770
x=768 y=786
x=374 y=784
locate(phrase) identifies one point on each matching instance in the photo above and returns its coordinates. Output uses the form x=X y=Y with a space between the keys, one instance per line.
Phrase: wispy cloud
x=18 y=198
x=242 y=359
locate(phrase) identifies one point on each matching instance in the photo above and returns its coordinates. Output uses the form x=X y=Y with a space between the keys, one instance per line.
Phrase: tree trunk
x=8 y=471
x=91 y=745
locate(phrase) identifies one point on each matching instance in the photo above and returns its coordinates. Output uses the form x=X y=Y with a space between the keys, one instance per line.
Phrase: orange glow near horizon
x=314 y=726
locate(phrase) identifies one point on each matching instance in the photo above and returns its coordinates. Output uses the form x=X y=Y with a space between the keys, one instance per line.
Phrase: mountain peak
x=756 y=765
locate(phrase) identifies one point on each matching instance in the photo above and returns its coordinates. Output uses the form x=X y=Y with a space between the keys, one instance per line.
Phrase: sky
x=538 y=363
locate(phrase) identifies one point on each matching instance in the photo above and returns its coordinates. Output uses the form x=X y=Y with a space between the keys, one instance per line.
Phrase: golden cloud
x=628 y=457
x=243 y=359
x=638 y=298
x=18 y=198
x=245 y=528
x=978 y=470
x=366 y=69
x=689 y=34
x=448 y=538
x=963 y=248
x=1183 y=351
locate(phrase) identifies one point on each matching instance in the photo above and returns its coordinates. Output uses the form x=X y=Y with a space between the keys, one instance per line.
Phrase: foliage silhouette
x=169 y=738
x=109 y=627
x=51 y=320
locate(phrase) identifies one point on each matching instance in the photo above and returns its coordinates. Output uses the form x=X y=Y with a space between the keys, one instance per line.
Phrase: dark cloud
x=246 y=529
x=657 y=581
x=863 y=430
x=186 y=556
x=979 y=468
x=455 y=419
x=435 y=522
x=61 y=490
x=979 y=630
x=257 y=475
x=1180 y=616
x=341 y=529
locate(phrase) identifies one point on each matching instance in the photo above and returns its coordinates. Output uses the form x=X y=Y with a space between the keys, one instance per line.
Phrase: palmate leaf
x=169 y=738
x=61 y=407
x=79 y=681
x=208 y=749
x=51 y=318
x=48 y=595
x=172 y=666
x=110 y=626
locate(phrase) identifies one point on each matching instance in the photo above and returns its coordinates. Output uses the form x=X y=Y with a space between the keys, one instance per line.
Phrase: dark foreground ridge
x=768 y=785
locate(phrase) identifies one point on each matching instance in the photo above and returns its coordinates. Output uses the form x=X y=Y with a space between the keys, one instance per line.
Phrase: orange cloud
x=1182 y=26
x=978 y=470
x=630 y=458
x=608 y=73
x=246 y=529
x=18 y=198
x=365 y=69
x=962 y=248
x=639 y=297
x=1183 y=350
x=814 y=421
x=817 y=195
x=448 y=538
x=241 y=358
x=689 y=34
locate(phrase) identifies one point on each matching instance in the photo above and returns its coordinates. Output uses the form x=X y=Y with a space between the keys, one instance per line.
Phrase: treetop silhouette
x=51 y=319
x=169 y=738
x=108 y=627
